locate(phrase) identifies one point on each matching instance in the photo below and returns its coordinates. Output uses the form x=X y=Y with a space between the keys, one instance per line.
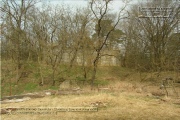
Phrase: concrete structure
x=108 y=58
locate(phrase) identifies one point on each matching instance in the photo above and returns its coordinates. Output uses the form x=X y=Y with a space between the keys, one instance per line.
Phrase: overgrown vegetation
x=30 y=82
x=42 y=47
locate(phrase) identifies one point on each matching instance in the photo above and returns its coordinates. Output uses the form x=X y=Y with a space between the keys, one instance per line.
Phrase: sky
x=115 y=5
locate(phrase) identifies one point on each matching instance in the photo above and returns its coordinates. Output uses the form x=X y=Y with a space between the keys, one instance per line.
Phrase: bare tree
x=149 y=32
x=39 y=37
x=80 y=35
x=100 y=9
x=15 y=21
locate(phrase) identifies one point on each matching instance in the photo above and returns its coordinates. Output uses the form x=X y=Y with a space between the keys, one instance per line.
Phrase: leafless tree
x=100 y=9
x=15 y=15
x=149 y=32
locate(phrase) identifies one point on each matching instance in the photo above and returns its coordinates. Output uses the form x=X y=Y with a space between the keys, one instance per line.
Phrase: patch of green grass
x=101 y=82
x=31 y=65
x=54 y=87
x=119 y=71
x=30 y=86
x=5 y=88
x=80 y=79
x=36 y=75
x=12 y=88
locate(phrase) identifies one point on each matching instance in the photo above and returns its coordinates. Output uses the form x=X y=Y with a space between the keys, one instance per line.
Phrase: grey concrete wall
x=108 y=58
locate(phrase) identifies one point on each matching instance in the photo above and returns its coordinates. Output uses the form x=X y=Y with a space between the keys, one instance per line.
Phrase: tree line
x=45 y=34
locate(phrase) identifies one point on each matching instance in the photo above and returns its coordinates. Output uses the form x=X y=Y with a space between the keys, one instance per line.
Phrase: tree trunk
x=93 y=76
x=40 y=71
x=94 y=69
x=53 y=77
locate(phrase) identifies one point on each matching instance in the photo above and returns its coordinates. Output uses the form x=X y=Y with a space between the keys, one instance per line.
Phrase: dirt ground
x=118 y=101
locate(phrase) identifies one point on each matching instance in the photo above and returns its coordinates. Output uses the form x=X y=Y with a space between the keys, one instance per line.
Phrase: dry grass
x=122 y=102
